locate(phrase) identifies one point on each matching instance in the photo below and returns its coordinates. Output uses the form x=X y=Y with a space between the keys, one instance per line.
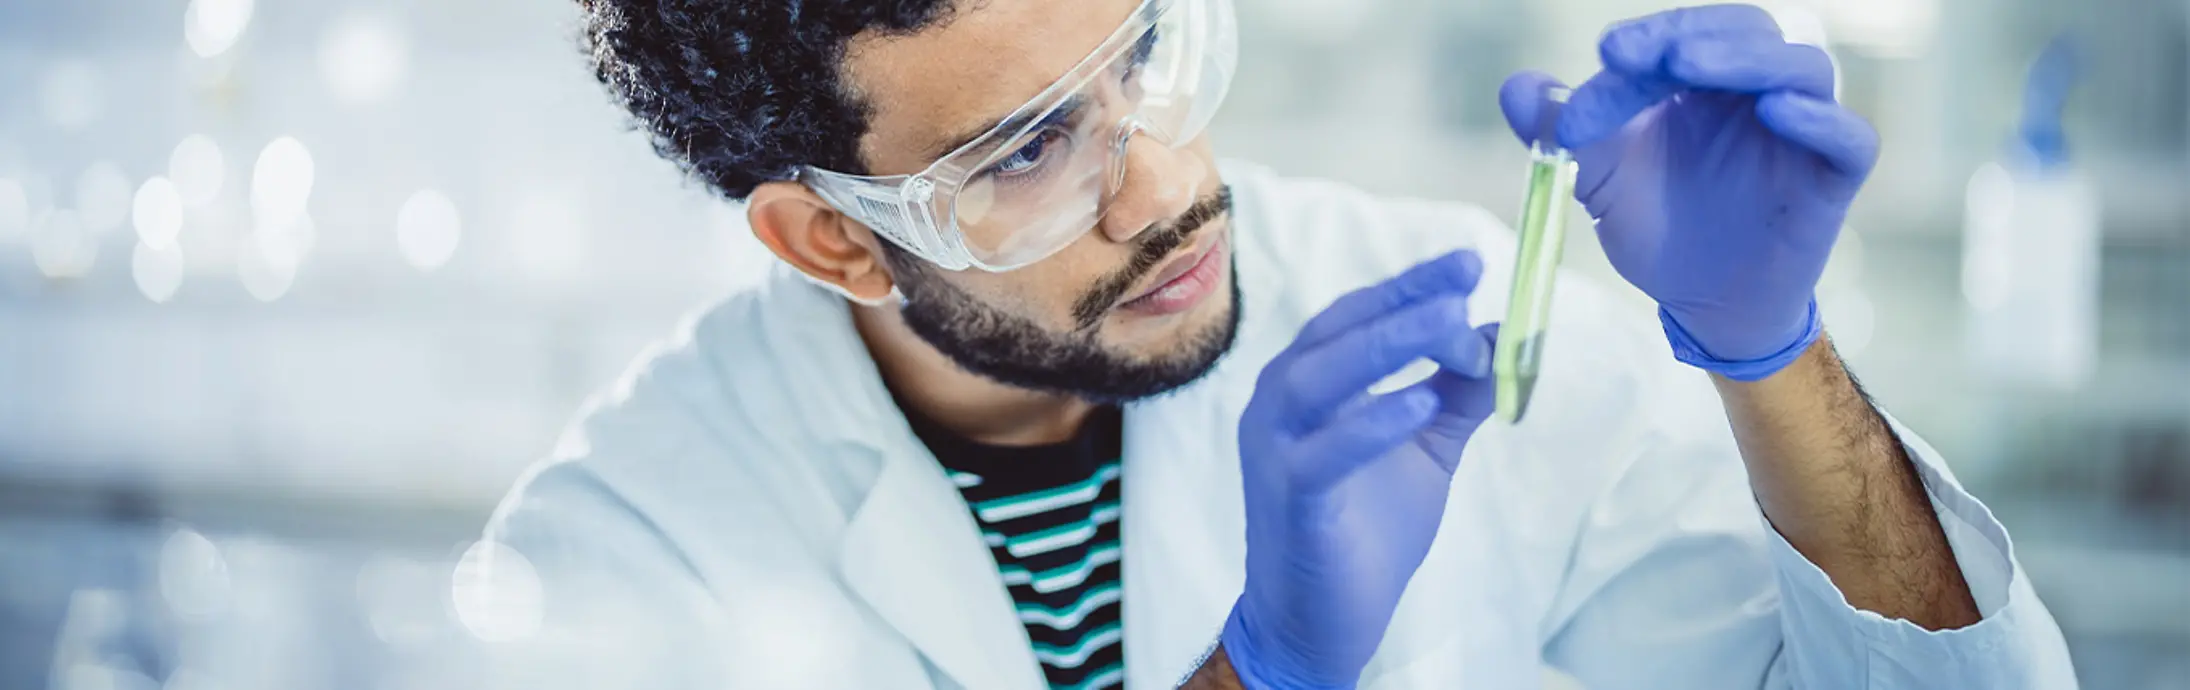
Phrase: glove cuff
x=1247 y=661
x=1690 y=352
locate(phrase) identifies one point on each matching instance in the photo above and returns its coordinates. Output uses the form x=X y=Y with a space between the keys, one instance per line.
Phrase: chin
x=1195 y=338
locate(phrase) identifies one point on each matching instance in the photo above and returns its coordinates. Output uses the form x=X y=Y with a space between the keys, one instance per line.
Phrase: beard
x=1016 y=351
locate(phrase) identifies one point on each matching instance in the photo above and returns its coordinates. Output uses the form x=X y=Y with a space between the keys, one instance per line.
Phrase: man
x=1043 y=396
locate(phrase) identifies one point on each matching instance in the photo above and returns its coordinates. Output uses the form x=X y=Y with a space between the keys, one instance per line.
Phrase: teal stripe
x=1070 y=616
x=1104 y=512
x=1073 y=656
x=1063 y=576
x=1110 y=676
x=1022 y=505
x=1033 y=543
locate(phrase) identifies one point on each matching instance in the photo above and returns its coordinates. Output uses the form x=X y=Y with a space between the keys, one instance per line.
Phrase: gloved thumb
x=1523 y=98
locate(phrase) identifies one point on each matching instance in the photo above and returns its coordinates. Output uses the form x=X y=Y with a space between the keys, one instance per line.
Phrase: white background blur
x=291 y=290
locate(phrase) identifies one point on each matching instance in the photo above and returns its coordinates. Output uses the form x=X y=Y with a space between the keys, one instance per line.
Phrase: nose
x=1154 y=184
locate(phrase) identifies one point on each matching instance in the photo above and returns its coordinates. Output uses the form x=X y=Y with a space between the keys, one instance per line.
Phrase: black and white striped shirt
x=1050 y=517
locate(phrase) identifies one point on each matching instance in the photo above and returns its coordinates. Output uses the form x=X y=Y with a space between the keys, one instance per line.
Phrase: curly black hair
x=741 y=92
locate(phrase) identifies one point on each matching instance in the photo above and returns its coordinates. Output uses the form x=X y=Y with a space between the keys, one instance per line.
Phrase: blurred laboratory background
x=292 y=290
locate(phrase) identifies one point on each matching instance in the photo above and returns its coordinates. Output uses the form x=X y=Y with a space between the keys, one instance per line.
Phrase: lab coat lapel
x=910 y=549
x=1182 y=536
x=914 y=554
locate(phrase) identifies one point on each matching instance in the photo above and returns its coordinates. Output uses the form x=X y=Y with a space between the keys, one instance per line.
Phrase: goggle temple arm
x=903 y=214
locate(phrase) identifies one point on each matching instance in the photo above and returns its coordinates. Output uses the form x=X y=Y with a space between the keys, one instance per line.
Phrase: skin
x=1214 y=674
x=1837 y=484
x=1825 y=468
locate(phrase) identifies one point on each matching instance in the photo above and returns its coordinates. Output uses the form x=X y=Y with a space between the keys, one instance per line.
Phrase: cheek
x=1044 y=292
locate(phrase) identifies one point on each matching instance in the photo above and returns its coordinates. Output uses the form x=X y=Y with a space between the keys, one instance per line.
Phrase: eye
x=1145 y=47
x=1027 y=156
x=1132 y=64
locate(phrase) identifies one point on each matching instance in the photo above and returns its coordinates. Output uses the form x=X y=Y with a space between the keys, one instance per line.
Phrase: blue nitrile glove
x=1719 y=169
x=1345 y=490
x=2045 y=95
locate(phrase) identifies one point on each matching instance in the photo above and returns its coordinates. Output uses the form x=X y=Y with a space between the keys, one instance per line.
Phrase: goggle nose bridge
x=1127 y=127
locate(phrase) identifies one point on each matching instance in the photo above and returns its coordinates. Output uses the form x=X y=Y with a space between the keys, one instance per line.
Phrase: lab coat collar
x=911 y=550
x=914 y=554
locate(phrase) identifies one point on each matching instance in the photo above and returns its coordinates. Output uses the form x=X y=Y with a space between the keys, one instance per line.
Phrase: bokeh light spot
x=496 y=593
x=157 y=270
x=287 y=246
x=428 y=229
x=211 y=27
x=61 y=247
x=157 y=212
x=262 y=276
x=198 y=169
x=363 y=58
x=281 y=182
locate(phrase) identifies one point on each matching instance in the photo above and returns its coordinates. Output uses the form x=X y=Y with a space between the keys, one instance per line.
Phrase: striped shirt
x=1050 y=517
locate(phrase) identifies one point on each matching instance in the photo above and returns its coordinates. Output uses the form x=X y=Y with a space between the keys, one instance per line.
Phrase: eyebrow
x=945 y=146
x=1014 y=122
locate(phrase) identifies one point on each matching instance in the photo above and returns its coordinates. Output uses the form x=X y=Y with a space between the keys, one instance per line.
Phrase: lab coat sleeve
x=1831 y=644
x=587 y=594
x=1677 y=580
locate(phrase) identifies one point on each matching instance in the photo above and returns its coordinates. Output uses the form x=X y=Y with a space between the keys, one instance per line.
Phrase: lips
x=1176 y=269
x=1189 y=289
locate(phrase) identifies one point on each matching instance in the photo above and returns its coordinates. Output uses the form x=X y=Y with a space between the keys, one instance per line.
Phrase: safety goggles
x=1046 y=175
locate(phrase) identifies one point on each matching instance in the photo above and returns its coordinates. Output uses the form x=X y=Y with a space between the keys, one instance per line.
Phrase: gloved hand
x=1345 y=490
x=1719 y=169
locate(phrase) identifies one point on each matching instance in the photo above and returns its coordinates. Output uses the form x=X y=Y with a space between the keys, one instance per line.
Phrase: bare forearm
x=1837 y=484
x=1215 y=674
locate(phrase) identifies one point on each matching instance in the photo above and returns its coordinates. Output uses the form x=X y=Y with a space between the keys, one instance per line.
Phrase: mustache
x=1154 y=245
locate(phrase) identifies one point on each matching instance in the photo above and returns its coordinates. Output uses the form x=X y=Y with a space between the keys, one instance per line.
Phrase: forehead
x=980 y=63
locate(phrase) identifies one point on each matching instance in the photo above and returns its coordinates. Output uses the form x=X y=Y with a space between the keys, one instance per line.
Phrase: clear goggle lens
x=1016 y=195
x=1041 y=188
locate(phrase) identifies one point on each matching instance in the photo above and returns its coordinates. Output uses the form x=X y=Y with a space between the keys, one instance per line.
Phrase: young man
x=1044 y=396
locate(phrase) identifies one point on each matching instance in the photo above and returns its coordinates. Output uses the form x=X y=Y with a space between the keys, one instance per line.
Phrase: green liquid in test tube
x=1543 y=238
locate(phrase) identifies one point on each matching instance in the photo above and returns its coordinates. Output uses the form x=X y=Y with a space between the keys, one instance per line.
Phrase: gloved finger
x=1363 y=434
x=1523 y=98
x=1634 y=55
x=1463 y=402
x=1750 y=64
x=1843 y=138
x=1602 y=105
x=1637 y=47
x=1319 y=380
x=1455 y=273
x=1468 y=394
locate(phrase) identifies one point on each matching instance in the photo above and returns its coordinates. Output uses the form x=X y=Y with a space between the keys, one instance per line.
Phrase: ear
x=813 y=237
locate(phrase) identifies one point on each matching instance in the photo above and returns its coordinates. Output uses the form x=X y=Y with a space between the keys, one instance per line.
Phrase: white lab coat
x=748 y=509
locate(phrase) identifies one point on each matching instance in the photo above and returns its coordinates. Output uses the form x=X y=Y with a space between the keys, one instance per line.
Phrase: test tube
x=1535 y=269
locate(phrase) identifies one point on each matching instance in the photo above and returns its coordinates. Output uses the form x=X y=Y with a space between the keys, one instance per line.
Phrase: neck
x=967 y=404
